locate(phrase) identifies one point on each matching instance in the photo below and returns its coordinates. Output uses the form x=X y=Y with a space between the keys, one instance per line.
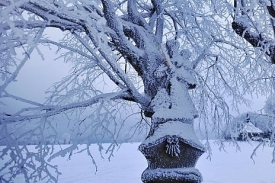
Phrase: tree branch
x=271 y=10
x=54 y=110
x=52 y=16
x=22 y=63
x=42 y=24
x=130 y=87
x=254 y=39
x=134 y=15
x=160 y=19
x=94 y=58
x=124 y=46
x=242 y=28
x=7 y=95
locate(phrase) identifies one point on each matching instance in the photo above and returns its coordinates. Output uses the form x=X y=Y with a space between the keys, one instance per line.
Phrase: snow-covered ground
x=128 y=163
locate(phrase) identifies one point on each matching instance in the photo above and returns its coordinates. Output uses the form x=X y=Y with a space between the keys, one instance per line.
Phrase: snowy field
x=128 y=163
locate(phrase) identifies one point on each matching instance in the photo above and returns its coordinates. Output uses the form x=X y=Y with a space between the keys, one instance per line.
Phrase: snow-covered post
x=172 y=148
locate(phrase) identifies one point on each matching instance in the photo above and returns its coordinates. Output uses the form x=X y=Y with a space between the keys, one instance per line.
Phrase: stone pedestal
x=172 y=152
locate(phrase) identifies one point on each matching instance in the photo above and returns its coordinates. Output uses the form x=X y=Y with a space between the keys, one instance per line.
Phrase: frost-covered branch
x=118 y=36
x=134 y=16
x=201 y=56
x=94 y=58
x=22 y=63
x=160 y=20
x=245 y=27
x=48 y=111
x=126 y=31
x=254 y=39
x=51 y=16
x=7 y=95
x=136 y=95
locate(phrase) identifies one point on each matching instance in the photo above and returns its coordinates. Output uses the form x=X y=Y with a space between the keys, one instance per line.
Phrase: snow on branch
x=118 y=36
x=93 y=57
x=25 y=24
x=54 y=110
x=160 y=20
x=247 y=27
x=13 y=76
x=134 y=15
x=51 y=15
x=115 y=67
x=8 y=95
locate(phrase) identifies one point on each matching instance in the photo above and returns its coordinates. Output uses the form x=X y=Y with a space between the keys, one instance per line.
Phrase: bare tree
x=175 y=60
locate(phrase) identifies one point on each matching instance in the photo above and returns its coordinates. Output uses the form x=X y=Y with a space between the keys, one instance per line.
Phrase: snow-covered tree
x=260 y=120
x=173 y=60
x=254 y=20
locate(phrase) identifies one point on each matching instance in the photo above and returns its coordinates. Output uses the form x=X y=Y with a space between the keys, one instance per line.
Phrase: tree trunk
x=171 y=147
